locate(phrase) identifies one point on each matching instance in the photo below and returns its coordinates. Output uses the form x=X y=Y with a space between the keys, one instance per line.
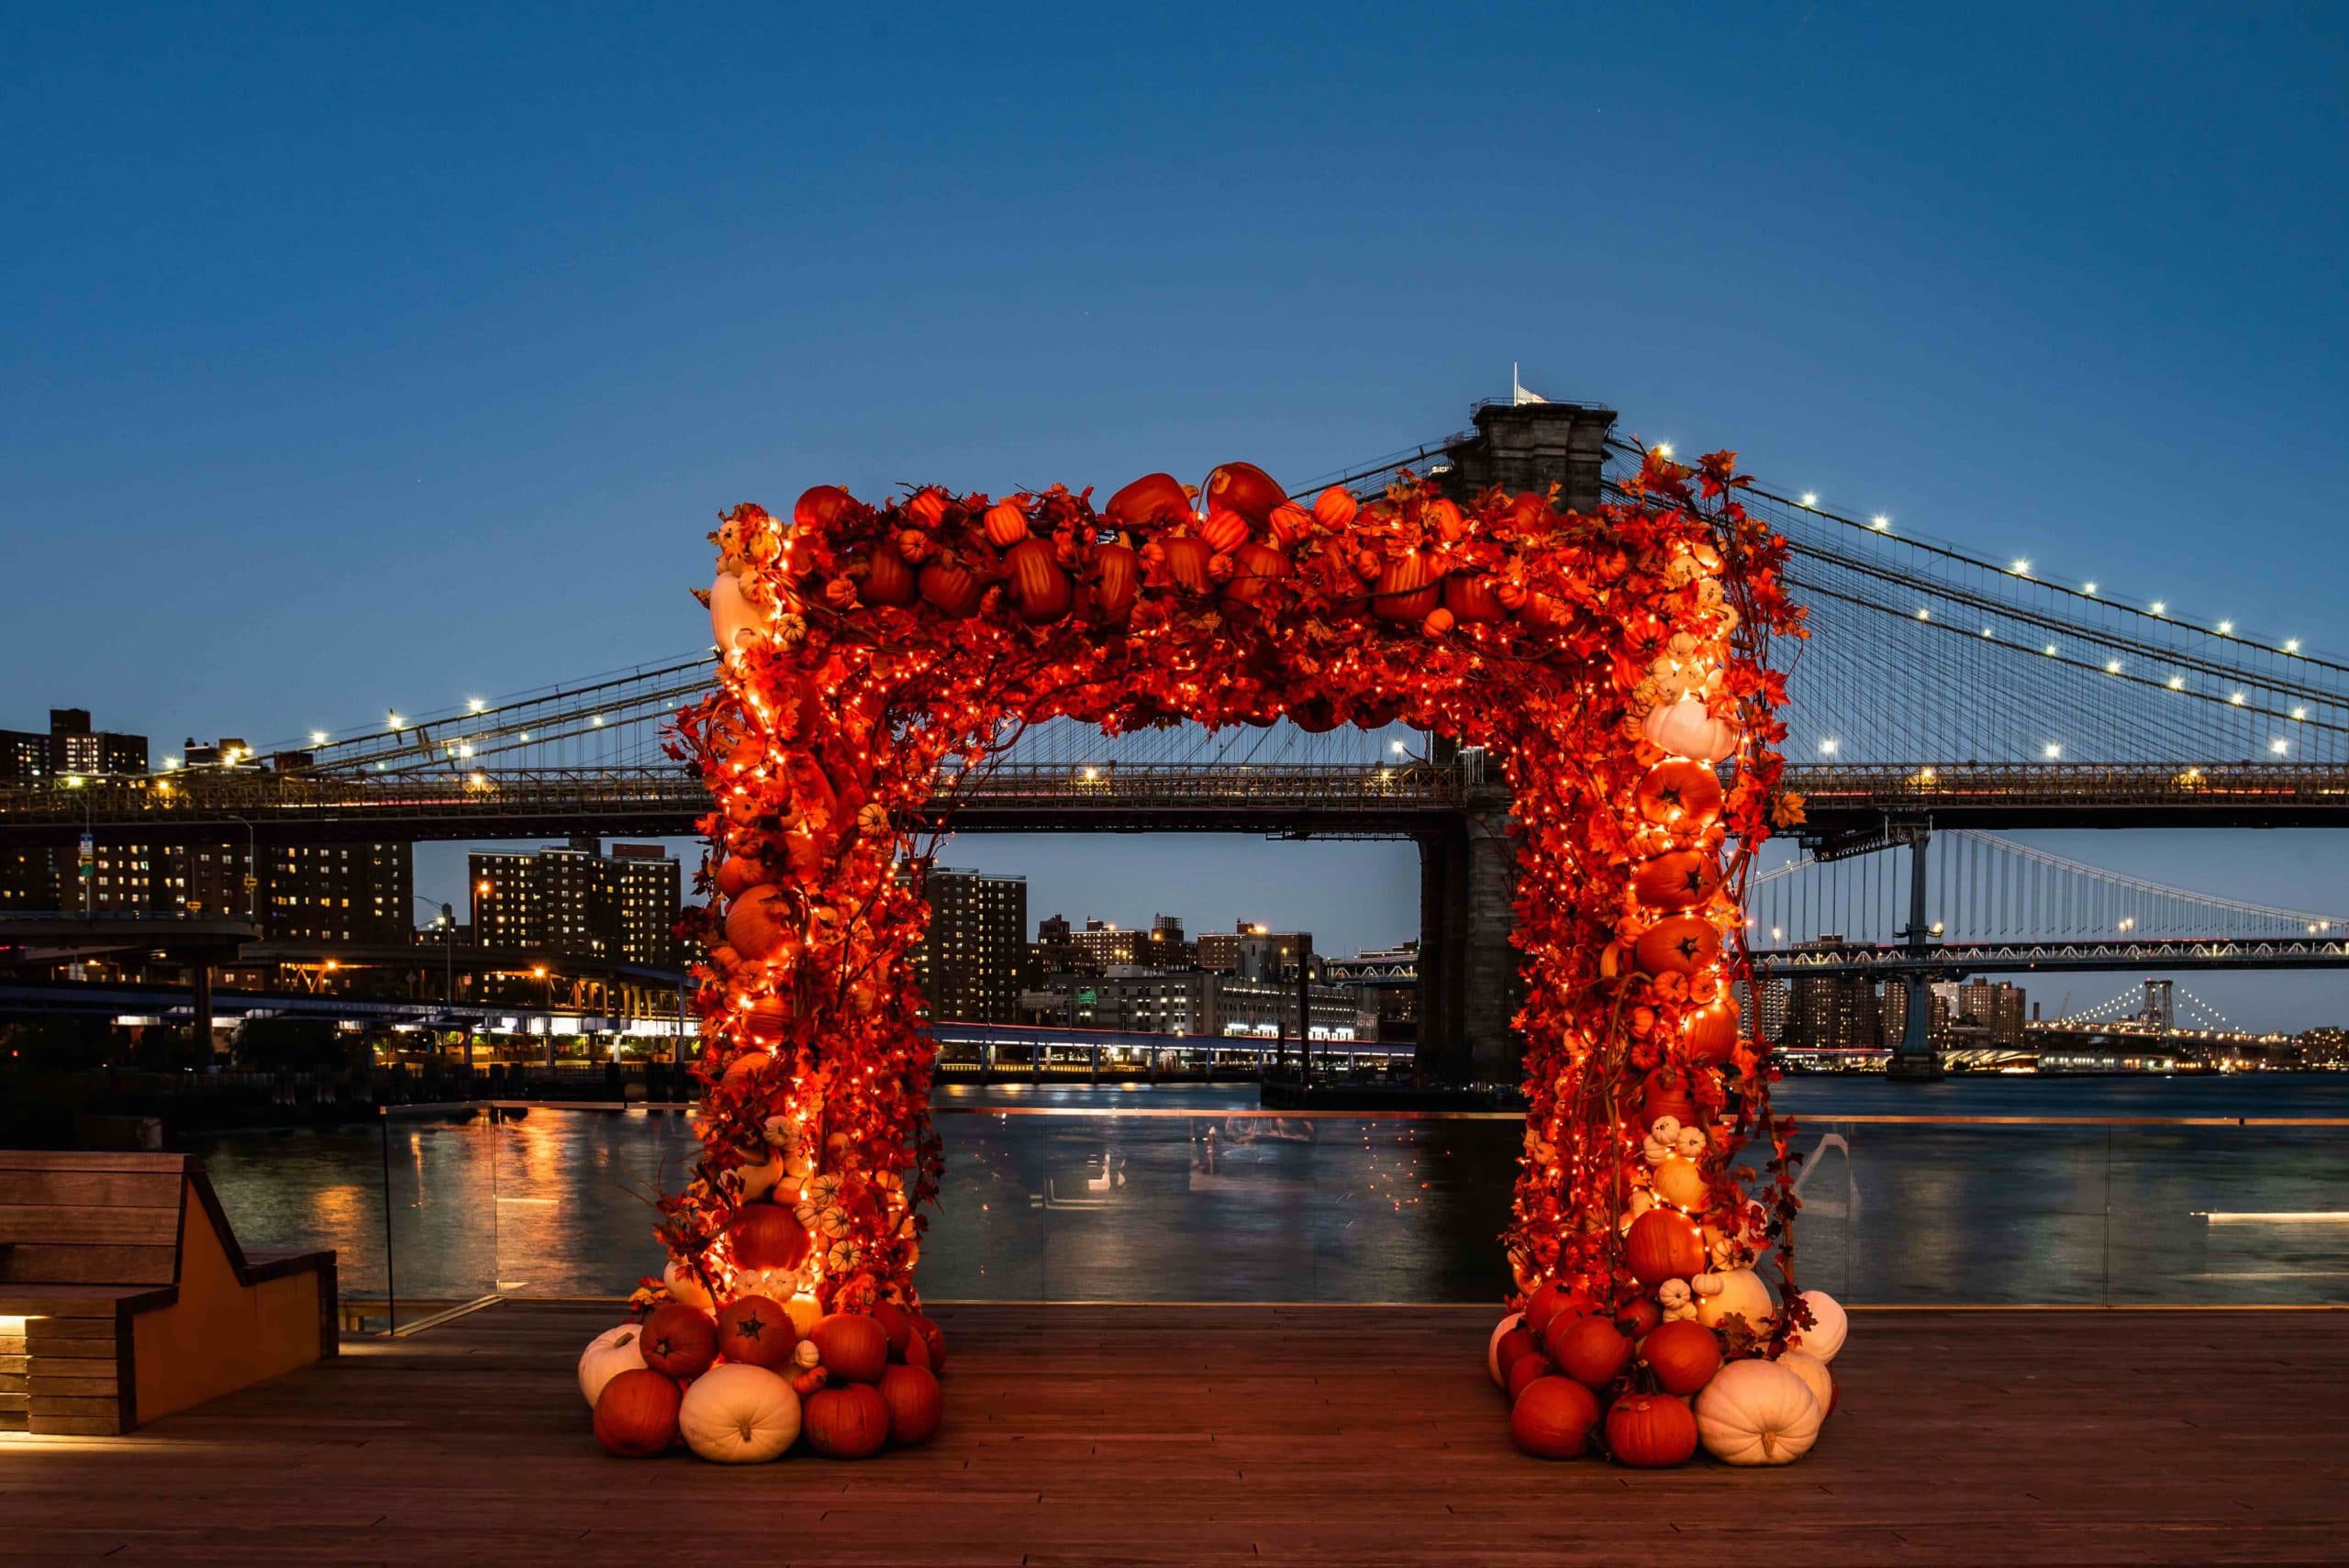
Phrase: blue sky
x=383 y=357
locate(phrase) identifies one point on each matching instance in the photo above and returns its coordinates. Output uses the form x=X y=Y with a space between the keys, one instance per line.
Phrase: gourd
x=683 y=1285
x=739 y=1414
x=609 y=1353
x=732 y=618
x=1756 y=1412
x=1650 y=1431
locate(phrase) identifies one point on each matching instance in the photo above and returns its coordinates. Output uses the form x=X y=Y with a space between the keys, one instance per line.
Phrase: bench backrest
x=76 y=1219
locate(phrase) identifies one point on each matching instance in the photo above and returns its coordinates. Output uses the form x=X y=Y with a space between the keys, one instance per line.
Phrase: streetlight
x=543 y=973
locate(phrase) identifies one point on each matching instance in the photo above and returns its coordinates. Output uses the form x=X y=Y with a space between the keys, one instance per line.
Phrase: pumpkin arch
x=869 y=651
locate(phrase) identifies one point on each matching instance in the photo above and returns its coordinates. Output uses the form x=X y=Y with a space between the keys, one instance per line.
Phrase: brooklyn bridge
x=1943 y=699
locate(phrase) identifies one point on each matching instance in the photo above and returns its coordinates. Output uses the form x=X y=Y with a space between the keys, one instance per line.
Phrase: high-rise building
x=1103 y=945
x=1198 y=1002
x=70 y=747
x=1254 y=952
x=339 y=892
x=573 y=899
x=1832 y=1012
x=1995 y=1005
x=973 y=960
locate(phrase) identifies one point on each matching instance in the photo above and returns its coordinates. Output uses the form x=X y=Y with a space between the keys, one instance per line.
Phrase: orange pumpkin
x=1444 y=516
x=1514 y=1346
x=854 y=1348
x=1223 y=529
x=1661 y=1245
x=1038 y=586
x=1710 y=1033
x=1117 y=585
x=1681 y=879
x=1680 y=944
x=1667 y=1092
x=1553 y=1418
x=932 y=1339
x=766 y=1018
x=1406 y=588
x=914 y=1403
x=1246 y=489
x=1335 y=508
x=1639 y=1319
x=1004 y=524
x=1588 y=1350
x=888 y=580
x=1471 y=598
x=1290 y=523
x=636 y=1414
x=1254 y=569
x=847 y=1423
x=1683 y=1354
x=1546 y=1303
x=761 y=923
x=738 y=875
x=1150 y=499
x=1680 y=793
x=756 y=1330
x=678 y=1341
x=1186 y=563
x=1524 y=1370
x=1649 y=1431
x=768 y=1236
x=821 y=507
x=927 y=506
x=951 y=586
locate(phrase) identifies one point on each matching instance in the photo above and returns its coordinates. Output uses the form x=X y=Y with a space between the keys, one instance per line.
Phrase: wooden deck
x=1352 y=1436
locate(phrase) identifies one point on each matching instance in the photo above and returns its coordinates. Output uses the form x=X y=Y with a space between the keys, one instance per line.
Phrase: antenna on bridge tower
x=1517 y=395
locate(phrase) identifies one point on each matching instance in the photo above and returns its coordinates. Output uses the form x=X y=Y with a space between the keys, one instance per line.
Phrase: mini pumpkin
x=1679 y=878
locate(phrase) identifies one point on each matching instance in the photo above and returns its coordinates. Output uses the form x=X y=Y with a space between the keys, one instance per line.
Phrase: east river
x=1206 y=1199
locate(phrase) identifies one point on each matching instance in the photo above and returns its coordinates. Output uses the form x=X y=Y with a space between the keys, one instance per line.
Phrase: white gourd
x=739 y=1414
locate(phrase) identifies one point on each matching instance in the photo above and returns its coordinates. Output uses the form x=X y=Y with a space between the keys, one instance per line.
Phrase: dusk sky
x=354 y=361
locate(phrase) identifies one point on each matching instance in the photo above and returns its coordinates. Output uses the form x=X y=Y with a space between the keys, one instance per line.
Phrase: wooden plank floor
x=1354 y=1436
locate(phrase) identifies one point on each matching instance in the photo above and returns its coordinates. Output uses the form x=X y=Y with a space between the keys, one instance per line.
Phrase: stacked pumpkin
x=746 y=1384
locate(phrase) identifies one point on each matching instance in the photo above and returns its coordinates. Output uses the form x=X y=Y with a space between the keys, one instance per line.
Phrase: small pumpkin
x=756 y=1331
x=1544 y=1304
x=915 y=1403
x=1679 y=1182
x=854 y=1348
x=1677 y=879
x=1553 y=1418
x=1471 y=598
x=897 y=1326
x=1739 y=1292
x=1680 y=794
x=682 y=1284
x=734 y=621
x=1678 y=944
x=1639 y=1319
x=1588 y=1350
x=1406 y=588
x=636 y=1414
x=950 y=587
x=927 y=506
x=1687 y=729
x=1710 y=1033
x=679 y=1340
x=766 y=1018
x=1514 y=1347
x=1038 y=586
x=1004 y=524
x=1683 y=1354
x=1526 y=1370
x=1815 y=1377
x=1650 y=1431
x=1756 y=1412
x=1225 y=530
x=1150 y=499
x=768 y=1236
x=1244 y=488
x=1117 y=584
x=933 y=1342
x=848 y=1422
x=608 y=1354
x=738 y=1415
x=737 y=874
x=1666 y=1091
x=1335 y=508
x=1661 y=1245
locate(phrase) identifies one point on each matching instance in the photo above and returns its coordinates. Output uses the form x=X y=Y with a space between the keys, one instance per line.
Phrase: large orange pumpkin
x=769 y=1236
x=949 y=585
x=887 y=579
x=1711 y=1033
x=679 y=1340
x=1406 y=588
x=761 y=923
x=636 y=1414
x=1471 y=598
x=897 y=1325
x=1663 y=1245
x=821 y=506
x=1038 y=586
x=1245 y=489
x=1588 y=1350
x=1117 y=584
x=1254 y=569
x=852 y=1422
x=1684 y=1354
x=1152 y=499
x=1682 y=945
x=1680 y=793
x=1650 y=1431
x=915 y=1405
x=1186 y=563
x=854 y=1348
x=1667 y=1092
x=1553 y=1418
x=1680 y=879
x=756 y=1330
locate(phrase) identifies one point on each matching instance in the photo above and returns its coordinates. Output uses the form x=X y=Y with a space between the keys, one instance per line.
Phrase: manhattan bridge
x=1942 y=700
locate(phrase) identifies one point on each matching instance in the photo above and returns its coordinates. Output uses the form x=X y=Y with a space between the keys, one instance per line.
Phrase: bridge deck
x=1170 y=1434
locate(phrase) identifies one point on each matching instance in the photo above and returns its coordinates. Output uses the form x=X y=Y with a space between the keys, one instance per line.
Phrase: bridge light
x=170 y=764
x=2291 y=645
x=317 y=737
x=1811 y=498
x=474 y=705
x=2158 y=607
x=395 y=722
x=1935 y=928
x=1777 y=934
x=1985 y=631
x=2237 y=699
x=1924 y=613
x=1663 y=449
x=2021 y=568
x=2177 y=683
x=2049 y=650
x=526 y=735
x=2279 y=745
x=2300 y=713
x=2113 y=666
x=1880 y=523
x=1826 y=748
x=2089 y=589
x=2052 y=752
x=465 y=750
x=598 y=720
x=1398 y=748
x=2226 y=629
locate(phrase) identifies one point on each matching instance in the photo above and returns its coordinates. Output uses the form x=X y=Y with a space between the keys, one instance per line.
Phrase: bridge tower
x=2161 y=1004
x=1469 y=987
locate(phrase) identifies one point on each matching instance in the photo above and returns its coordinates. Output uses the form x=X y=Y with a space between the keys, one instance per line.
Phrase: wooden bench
x=124 y=1296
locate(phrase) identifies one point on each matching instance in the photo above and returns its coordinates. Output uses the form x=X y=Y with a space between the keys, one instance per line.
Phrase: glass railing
x=1164 y=1195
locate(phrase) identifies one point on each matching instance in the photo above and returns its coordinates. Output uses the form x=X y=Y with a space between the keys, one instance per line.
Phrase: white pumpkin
x=760 y=1180
x=1828 y=1325
x=1493 y=1347
x=1685 y=729
x=684 y=1288
x=731 y=617
x=1815 y=1377
x=608 y=1354
x=739 y=1414
x=1756 y=1412
x=1737 y=1292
